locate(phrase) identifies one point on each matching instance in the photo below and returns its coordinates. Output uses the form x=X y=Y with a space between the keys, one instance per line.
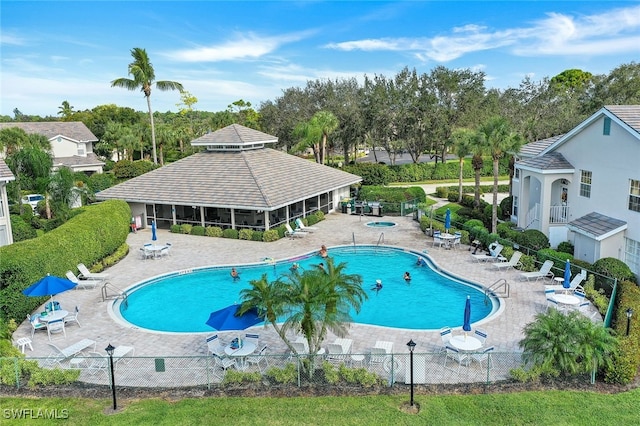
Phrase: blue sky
x=53 y=51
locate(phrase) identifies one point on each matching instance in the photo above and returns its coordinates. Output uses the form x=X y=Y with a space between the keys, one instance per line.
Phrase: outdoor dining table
x=465 y=343
x=448 y=239
x=154 y=249
x=247 y=348
x=53 y=315
x=566 y=299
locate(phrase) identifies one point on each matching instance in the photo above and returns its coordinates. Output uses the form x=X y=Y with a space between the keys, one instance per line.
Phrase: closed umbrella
x=48 y=286
x=153 y=231
x=567 y=275
x=447 y=220
x=466 y=326
x=227 y=319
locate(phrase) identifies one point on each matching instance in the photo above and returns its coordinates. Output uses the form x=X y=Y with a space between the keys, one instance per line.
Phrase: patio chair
x=97 y=363
x=302 y=227
x=214 y=345
x=85 y=284
x=457 y=356
x=56 y=326
x=73 y=317
x=480 y=335
x=293 y=234
x=35 y=323
x=86 y=274
x=445 y=335
x=552 y=304
x=259 y=358
x=335 y=353
x=544 y=272
x=377 y=356
x=457 y=240
x=514 y=262
x=252 y=338
x=485 y=355
x=437 y=240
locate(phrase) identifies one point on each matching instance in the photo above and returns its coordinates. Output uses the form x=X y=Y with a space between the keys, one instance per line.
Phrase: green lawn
x=539 y=408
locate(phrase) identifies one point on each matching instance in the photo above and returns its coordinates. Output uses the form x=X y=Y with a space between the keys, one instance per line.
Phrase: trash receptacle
x=344 y=207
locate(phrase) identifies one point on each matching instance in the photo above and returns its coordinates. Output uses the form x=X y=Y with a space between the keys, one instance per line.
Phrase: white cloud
x=614 y=31
x=10 y=39
x=244 y=46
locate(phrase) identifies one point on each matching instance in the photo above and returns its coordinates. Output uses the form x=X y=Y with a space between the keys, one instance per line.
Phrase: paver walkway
x=504 y=328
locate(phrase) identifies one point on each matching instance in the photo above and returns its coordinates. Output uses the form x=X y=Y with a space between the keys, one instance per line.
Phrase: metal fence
x=210 y=371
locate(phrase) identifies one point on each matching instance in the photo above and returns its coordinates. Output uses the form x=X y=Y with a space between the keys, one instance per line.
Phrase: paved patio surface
x=504 y=329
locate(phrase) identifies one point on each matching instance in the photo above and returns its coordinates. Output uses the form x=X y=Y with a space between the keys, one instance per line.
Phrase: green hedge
x=627 y=361
x=87 y=238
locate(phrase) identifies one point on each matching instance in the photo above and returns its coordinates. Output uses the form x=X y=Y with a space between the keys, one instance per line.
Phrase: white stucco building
x=584 y=187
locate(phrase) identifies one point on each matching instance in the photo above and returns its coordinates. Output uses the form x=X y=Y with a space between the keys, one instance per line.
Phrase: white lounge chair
x=512 y=263
x=58 y=355
x=302 y=227
x=544 y=272
x=574 y=285
x=82 y=283
x=86 y=274
x=494 y=254
x=293 y=234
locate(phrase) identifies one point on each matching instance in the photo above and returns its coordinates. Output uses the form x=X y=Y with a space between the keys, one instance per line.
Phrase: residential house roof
x=75 y=161
x=534 y=148
x=5 y=173
x=74 y=130
x=552 y=161
x=597 y=226
x=629 y=114
x=264 y=179
x=234 y=134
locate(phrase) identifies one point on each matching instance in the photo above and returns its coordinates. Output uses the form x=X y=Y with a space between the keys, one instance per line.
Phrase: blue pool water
x=182 y=302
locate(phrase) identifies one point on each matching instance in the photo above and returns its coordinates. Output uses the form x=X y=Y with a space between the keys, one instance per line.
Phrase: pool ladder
x=492 y=289
x=380 y=239
x=119 y=294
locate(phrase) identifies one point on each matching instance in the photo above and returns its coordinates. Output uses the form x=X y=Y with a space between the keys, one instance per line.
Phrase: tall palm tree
x=462 y=146
x=314 y=133
x=66 y=110
x=143 y=78
x=498 y=138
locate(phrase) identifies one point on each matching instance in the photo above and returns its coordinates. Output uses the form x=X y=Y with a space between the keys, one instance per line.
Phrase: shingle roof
x=75 y=130
x=263 y=179
x=534 y=148
x=90 y=160
x=597 y=225
x=233 y=134
x=5 y=173
x=630 y=114
x=550 y=161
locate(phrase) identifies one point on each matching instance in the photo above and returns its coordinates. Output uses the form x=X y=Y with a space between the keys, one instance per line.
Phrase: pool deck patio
x=504 y=330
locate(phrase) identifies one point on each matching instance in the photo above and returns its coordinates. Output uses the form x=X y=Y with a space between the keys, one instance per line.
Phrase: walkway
x=505 y=330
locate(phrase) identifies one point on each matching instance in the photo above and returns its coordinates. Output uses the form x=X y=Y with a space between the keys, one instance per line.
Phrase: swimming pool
x=381 y=224
x=182 y=301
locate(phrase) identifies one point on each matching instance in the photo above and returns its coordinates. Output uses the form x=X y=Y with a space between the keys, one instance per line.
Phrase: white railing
x=559 y=214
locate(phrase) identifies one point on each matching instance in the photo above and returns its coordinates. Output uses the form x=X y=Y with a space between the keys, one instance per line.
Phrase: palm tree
x=314 y=133
x=143 y=78
x=496 y=135
x=568 y=344
x=66 y=110
x=462 y=145
x=311 y=303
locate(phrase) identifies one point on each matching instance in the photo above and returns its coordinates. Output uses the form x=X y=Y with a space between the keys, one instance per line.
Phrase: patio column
x=233 y=218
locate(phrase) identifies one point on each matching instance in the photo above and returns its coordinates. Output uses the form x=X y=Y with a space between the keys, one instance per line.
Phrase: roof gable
x=75 y=131
x=626 y=116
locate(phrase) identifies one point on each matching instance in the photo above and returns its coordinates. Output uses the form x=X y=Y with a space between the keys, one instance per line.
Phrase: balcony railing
x=559 y=214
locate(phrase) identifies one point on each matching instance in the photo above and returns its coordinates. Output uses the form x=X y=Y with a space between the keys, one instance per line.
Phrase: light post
x=411 y=345
x=110 y=350
x=629 y=312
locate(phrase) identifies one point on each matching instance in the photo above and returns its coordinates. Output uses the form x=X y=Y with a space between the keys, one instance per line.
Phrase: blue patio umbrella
x=153 y=231
x=447 y=220
x=466 y=326
x=226 y=319
x=567 y=275
x=48 y=286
